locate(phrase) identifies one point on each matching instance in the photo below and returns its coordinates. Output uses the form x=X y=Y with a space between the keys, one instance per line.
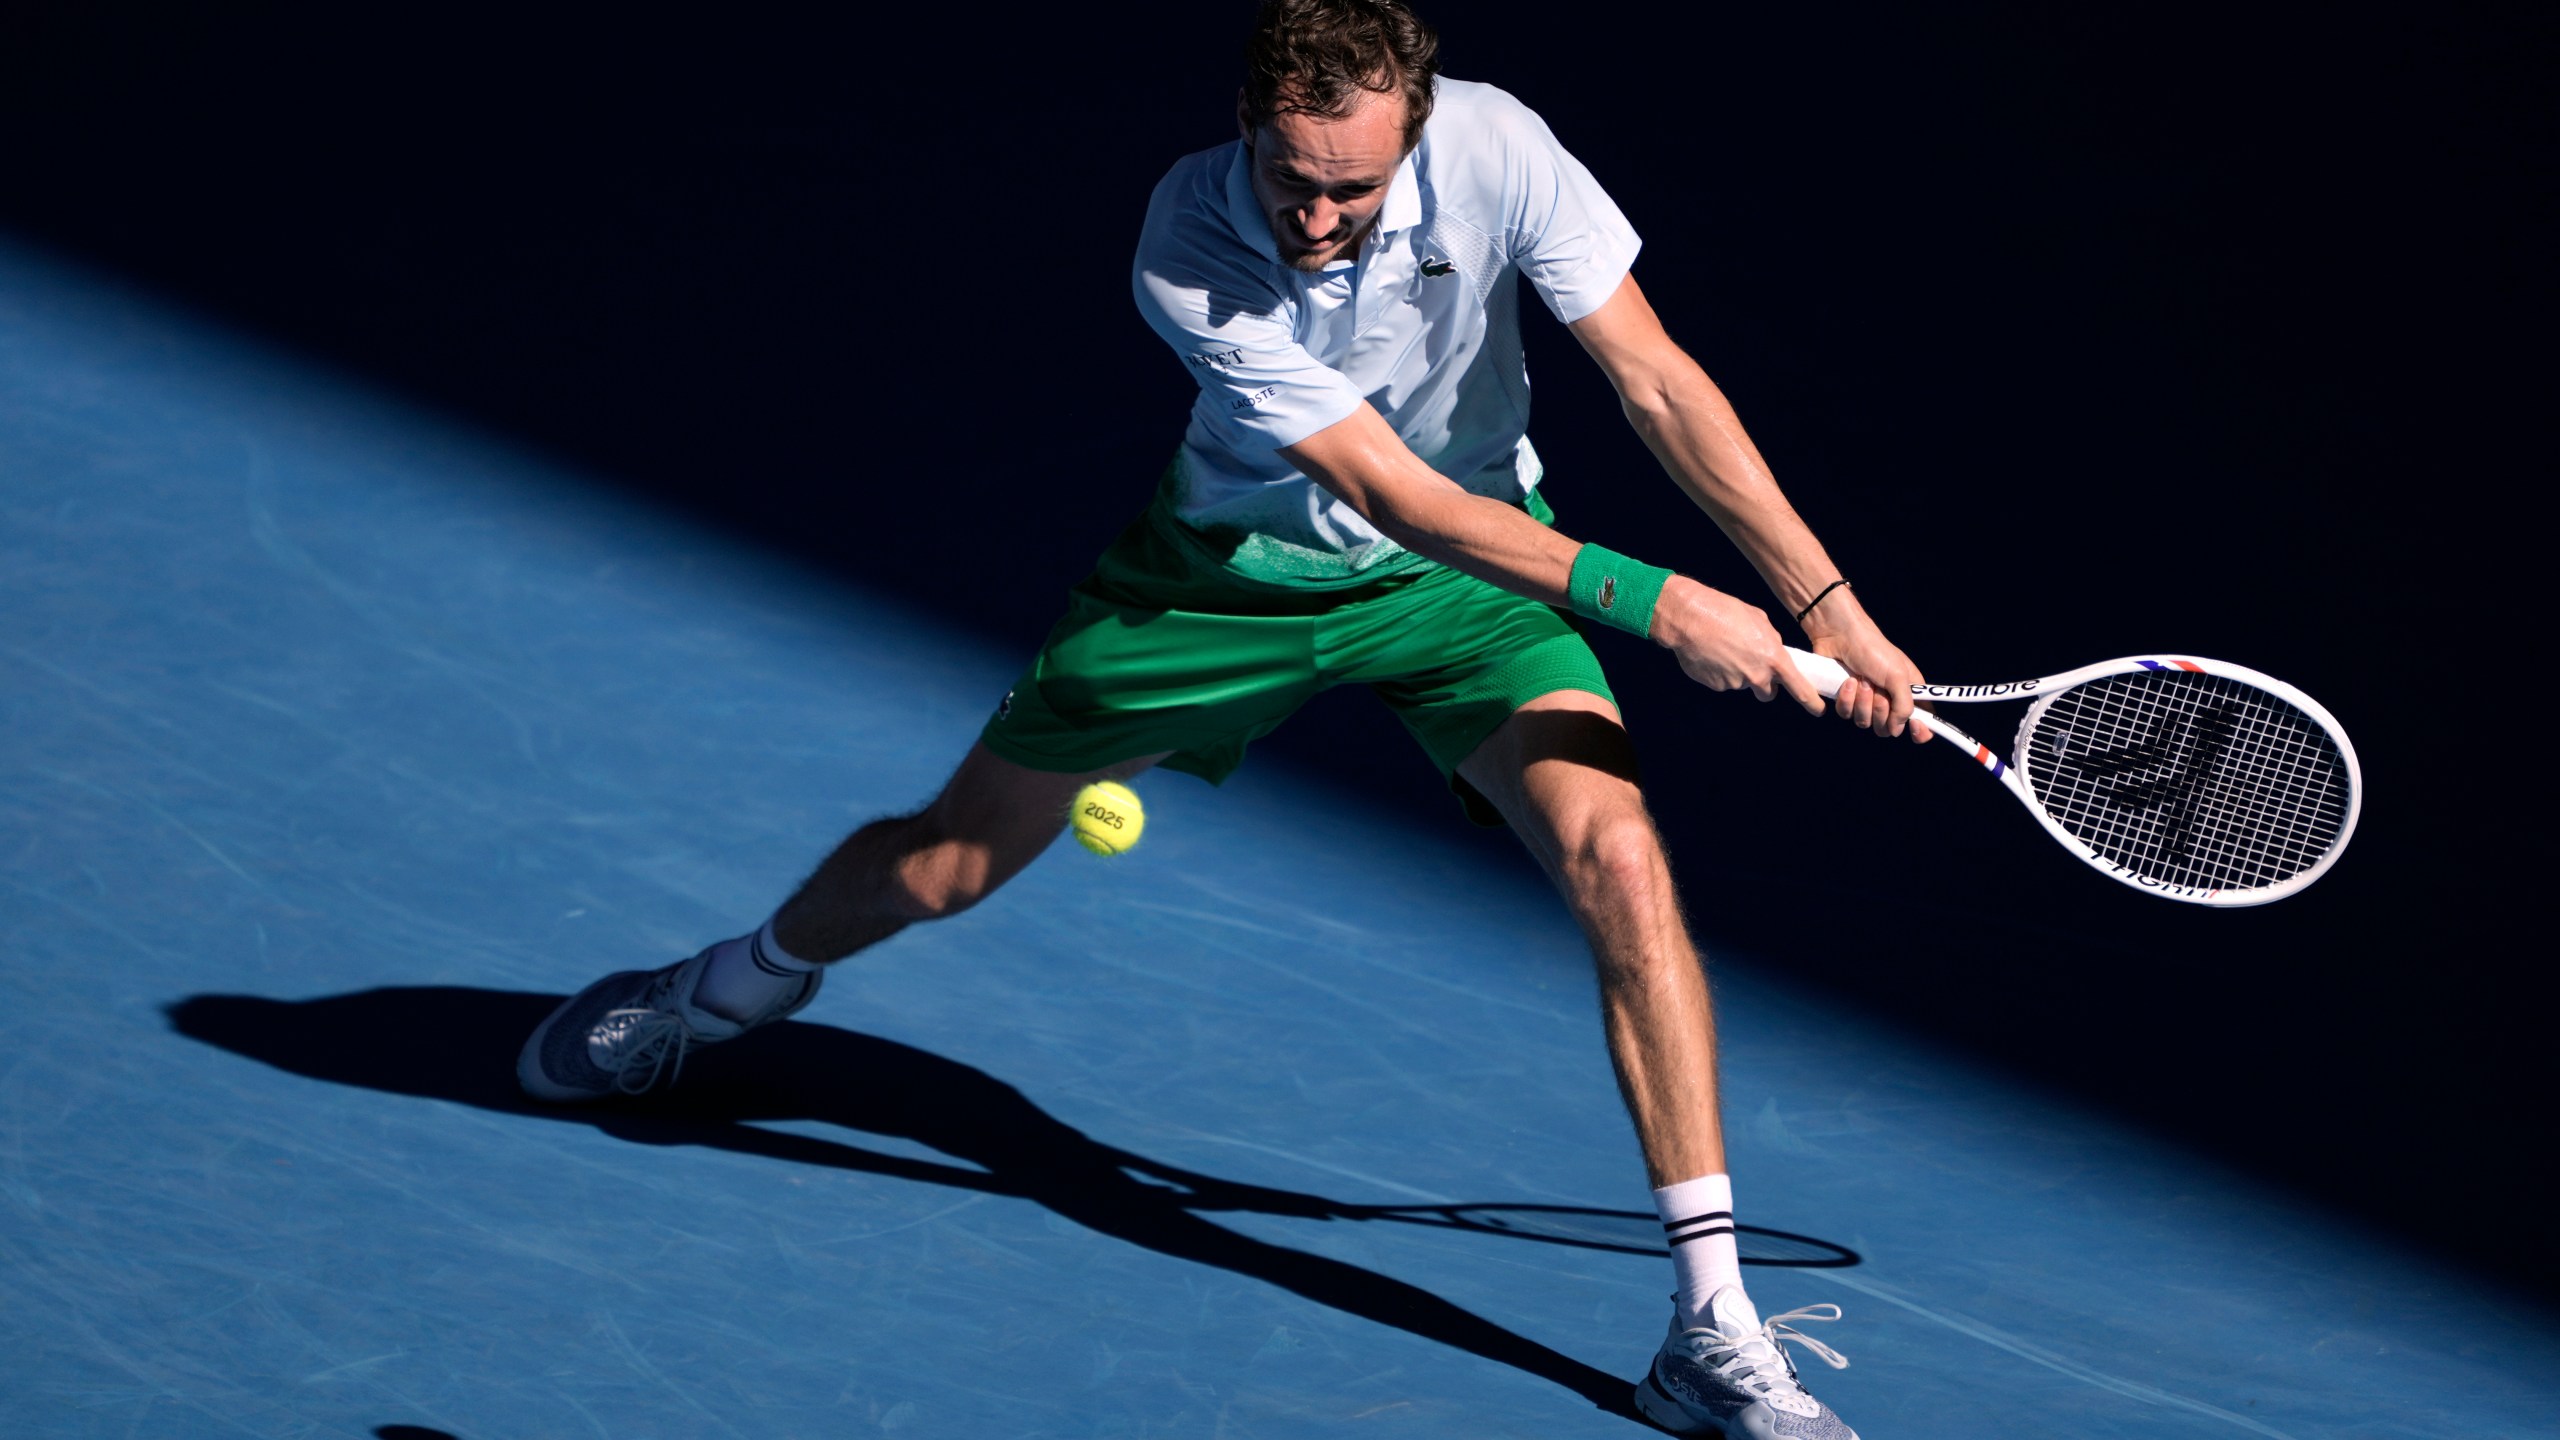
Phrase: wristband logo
x=1608 y=591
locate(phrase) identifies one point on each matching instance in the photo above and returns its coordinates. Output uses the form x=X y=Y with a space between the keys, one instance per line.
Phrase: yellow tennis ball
x=1108 y=818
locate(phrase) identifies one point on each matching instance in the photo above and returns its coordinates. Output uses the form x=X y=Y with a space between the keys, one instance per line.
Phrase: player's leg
x=991 y=820
x=629 y=1030
x=1562 y=772
x=1143 y=667
x=1509 y=701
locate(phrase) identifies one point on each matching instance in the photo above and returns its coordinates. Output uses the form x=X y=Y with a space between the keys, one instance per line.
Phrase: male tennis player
x=1356 y=500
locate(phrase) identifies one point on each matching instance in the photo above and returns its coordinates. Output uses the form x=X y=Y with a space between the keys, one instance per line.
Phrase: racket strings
x=2189 y=779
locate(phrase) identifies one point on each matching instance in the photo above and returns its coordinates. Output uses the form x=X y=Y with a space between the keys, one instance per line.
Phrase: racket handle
x=1827 y=674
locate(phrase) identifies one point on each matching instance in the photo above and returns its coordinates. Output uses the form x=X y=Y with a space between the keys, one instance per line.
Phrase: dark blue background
x=2072 y=336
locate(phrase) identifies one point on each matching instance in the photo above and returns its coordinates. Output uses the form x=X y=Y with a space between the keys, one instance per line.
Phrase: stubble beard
x=1309 y=262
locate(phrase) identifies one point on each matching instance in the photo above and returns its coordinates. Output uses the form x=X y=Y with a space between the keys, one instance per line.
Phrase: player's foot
x=628 y=1031
x=1728 y=1377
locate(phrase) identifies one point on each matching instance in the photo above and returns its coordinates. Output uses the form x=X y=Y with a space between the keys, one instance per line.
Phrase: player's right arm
x=1722 y=642
x=1687 y=423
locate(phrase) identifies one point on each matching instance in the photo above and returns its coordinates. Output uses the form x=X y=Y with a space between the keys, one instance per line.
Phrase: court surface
x=340 y=743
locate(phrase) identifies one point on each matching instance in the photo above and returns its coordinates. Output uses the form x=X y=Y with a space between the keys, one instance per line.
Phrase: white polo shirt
x=1424 y=325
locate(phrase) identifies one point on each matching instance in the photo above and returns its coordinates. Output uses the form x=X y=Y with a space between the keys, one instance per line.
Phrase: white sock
x=748 y=976
x=1697 y=1221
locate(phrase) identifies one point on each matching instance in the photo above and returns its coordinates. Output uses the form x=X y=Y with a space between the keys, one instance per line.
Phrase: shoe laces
x=1757 y=1364
x=638 y=1045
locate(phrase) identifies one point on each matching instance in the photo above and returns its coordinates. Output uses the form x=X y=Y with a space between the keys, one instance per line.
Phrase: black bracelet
x=1816 y=600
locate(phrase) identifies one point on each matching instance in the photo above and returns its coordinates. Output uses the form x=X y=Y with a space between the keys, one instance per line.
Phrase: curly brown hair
x=1315 y=57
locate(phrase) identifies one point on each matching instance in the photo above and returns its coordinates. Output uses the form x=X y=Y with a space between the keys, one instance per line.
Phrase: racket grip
x=1827 y=674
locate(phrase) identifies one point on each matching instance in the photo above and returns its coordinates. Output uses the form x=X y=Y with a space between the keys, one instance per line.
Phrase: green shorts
x=1165 y=650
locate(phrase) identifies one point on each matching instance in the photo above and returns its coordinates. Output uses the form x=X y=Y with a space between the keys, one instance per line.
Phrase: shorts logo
x=1608 y=591
x=1433 y=267
x=1004 y=707
x=1256 y=398
x=1217 y=359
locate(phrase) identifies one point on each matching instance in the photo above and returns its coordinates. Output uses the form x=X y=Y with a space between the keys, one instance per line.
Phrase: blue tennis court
x=342 y=742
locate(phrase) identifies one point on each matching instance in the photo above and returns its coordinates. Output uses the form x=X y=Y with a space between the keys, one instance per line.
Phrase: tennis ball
x=1107 y=817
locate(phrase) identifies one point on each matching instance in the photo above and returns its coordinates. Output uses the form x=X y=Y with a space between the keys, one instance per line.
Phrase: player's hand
x=1878 y=695
x=1725 y=644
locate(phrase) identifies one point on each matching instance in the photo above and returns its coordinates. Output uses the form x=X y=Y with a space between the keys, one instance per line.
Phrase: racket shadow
x=458 y=1044
x=1623 y=1232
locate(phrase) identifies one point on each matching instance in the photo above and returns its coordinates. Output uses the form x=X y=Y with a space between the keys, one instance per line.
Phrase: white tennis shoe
x=630 y=1030
x=1731 y=1378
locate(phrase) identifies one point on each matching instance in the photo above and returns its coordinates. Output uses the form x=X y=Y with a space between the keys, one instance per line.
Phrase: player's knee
x=946 y=877
x=948 y=882
x=941 y=902
x=1615 y=856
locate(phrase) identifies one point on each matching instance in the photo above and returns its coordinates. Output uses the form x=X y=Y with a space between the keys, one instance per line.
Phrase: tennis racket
x=2190 y=779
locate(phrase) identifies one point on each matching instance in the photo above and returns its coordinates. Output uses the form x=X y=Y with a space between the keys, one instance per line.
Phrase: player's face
x=1321 y=182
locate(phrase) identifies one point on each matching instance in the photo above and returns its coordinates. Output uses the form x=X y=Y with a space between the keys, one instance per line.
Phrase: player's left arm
x=1691 y=428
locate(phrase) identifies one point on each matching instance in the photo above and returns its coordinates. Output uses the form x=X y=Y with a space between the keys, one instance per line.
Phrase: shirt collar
x=1404 y=199
x=1243 y=211
x=1402 y=211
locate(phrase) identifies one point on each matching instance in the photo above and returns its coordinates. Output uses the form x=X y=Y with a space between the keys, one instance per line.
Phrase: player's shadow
x=451 y=1043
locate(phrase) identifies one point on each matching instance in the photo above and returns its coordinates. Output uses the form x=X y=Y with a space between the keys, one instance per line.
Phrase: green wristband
x=1614 y=590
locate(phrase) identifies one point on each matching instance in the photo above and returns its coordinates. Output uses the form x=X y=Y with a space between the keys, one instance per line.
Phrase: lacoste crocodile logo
x=1433 y=267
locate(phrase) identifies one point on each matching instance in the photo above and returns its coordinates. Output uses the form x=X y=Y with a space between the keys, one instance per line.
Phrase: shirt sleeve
x=1214 y=301
x=1565 y=233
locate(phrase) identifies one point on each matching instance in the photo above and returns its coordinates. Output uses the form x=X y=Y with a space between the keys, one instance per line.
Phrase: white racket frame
x=1827 y=675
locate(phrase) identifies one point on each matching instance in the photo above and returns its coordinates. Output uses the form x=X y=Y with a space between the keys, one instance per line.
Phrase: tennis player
x=1356 y=501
